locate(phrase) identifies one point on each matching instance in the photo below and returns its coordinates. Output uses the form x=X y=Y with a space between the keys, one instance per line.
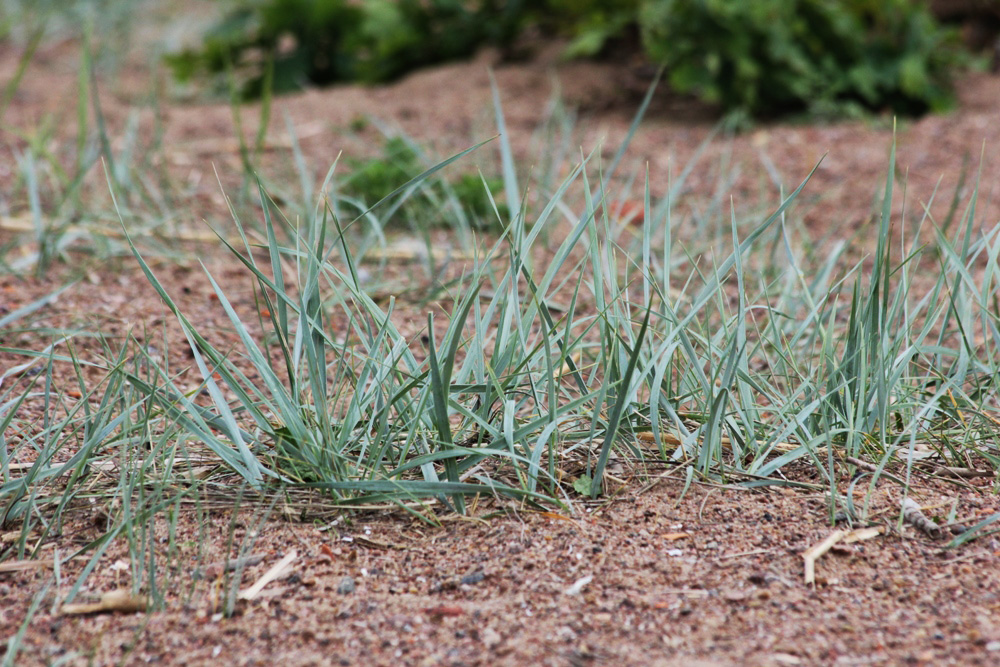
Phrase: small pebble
x=474 y=578
x=346 y=586
x=993 y=647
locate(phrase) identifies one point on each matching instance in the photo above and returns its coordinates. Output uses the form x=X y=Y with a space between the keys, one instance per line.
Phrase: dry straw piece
x=813 y=553
x=276 y=571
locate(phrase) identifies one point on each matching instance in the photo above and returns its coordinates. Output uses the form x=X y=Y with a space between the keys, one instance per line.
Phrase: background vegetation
x=751 y=58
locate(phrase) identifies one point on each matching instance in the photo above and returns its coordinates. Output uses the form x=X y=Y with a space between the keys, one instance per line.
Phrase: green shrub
x=319 y=42
x=758 y=58
x=777 y=56
x=589 y=24
x=372 y=179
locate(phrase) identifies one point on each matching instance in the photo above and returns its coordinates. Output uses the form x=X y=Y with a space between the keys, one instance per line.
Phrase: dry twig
x=813 y=553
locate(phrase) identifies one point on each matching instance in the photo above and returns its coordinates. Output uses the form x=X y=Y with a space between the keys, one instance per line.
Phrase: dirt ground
x=651 y=578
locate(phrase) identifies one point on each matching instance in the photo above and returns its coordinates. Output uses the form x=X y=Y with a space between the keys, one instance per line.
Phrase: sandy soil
x=651 y=579
x=715 y=577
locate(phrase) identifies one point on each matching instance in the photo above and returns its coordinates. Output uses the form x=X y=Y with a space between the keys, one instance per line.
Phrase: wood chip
x=444 y=610
x=121 y=600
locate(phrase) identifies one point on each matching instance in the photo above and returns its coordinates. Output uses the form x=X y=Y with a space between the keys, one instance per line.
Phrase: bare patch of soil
x=713 y=578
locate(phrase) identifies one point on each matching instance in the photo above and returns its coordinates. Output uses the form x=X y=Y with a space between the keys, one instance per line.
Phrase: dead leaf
x=565 y=369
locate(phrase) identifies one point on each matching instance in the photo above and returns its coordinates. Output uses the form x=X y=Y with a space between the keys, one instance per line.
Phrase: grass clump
x=360 y=415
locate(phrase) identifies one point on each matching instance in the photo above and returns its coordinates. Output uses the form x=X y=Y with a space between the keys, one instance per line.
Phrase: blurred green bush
x=319 y=42
x=588 y=24
x=768 y=57
x=371 y=179
x=753 y=58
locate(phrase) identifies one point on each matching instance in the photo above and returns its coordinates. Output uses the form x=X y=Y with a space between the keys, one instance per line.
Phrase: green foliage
x=752 y=58
x=777 y=56
x=475 y=193
x=590 y=24
x=321 y=42
x=583 y=485
x=327 y=41
x=374 y=178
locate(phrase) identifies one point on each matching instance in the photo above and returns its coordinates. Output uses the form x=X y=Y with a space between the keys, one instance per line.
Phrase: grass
x=570 y=342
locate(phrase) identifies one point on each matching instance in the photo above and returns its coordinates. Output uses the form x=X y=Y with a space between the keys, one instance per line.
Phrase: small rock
x=474 y=578
x=490 y=637
x=346 y=586
x=735 y=595
x=993 y=647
